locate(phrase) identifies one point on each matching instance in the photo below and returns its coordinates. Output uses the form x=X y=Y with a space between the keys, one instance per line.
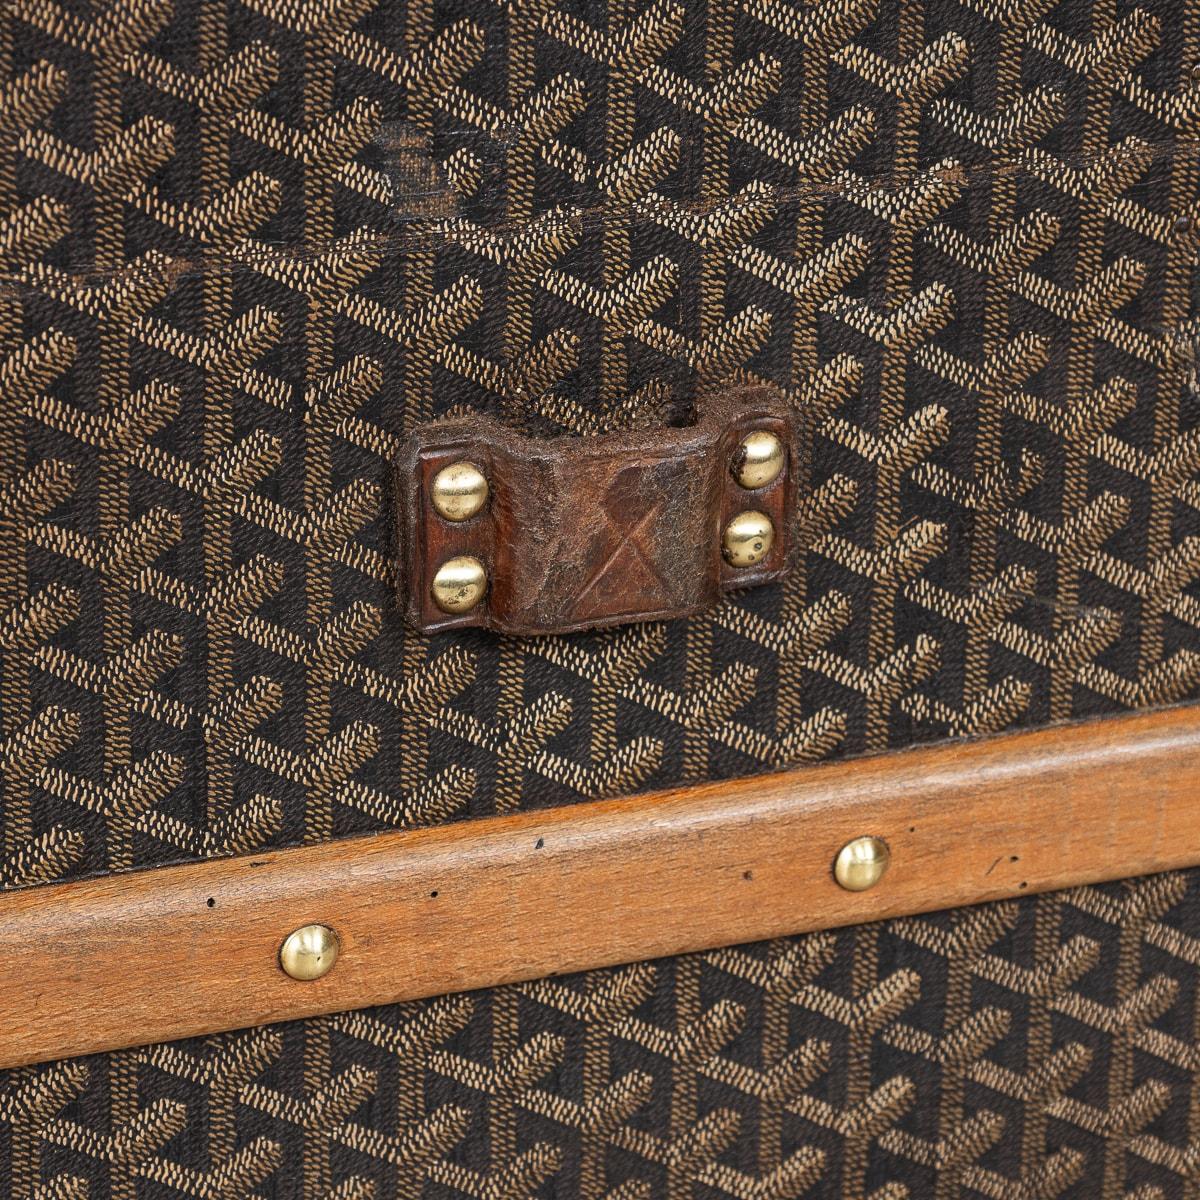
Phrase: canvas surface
x=247 y=246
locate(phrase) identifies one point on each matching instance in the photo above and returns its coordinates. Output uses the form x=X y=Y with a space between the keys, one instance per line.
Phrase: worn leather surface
x=584 y=533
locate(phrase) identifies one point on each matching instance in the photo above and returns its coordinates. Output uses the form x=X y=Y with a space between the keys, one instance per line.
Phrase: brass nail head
x=459 y=491
x=759 y=459
x=748 y=539
x=309 y=952
x=459 y=584
x=860 y=864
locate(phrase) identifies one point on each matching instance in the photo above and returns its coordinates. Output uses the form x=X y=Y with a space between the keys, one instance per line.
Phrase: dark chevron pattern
x=247 y=246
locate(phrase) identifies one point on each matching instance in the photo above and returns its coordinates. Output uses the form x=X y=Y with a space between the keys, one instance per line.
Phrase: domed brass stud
x=860 y=864
x=748 y=539
x=459 y=584
x=309 y=952
x=459 y=491
x=759 y=459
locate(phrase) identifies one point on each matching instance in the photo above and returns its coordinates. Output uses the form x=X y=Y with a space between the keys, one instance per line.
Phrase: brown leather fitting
x=582 y=533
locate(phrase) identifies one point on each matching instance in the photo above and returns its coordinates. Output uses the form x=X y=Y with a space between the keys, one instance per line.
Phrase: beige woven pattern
x=247 y=246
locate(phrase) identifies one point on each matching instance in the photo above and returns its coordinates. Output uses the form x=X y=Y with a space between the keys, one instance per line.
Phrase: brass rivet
x=309 y=952
x=459 y=584
x=748 y=539
x=860 y=864
x=759 y=459
x=459 y=491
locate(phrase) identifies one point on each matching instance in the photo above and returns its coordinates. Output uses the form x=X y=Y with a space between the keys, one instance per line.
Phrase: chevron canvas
x=247 y=245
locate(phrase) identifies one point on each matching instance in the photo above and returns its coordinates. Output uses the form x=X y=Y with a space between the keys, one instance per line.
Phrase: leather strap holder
x=587 y=532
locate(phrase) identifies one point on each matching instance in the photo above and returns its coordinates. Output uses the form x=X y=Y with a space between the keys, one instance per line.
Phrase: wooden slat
x=155 y=955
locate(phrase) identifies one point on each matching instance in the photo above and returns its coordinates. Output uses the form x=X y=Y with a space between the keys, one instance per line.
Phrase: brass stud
x=309 y=952
x=748 y=539
x=459 y=491
x=860 y=864
x=759 y=459
x=459 y=584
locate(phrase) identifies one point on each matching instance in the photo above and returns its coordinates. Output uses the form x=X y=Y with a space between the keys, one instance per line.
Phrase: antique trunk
x=455 y=455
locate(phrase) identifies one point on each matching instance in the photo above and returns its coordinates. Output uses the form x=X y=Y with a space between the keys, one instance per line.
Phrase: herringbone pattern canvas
x=248 y=245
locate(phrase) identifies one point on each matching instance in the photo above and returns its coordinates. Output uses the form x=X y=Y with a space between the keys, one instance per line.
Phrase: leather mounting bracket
x=586 y=532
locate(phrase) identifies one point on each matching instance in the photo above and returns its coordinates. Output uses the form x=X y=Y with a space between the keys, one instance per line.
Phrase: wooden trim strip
x=155 y=955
